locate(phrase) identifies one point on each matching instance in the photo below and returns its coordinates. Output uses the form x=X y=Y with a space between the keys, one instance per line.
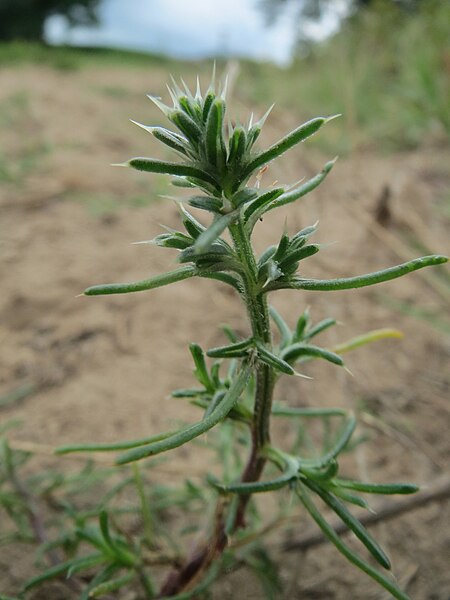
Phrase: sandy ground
x=101 y=369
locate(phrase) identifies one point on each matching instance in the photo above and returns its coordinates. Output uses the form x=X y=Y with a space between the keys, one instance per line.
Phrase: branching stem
x=258 y=313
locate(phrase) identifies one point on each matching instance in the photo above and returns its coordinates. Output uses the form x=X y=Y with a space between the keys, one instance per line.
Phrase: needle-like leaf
x=153 y=165
x=329 y=532
x=352 y=523
x=145 y=284
x=210 y=235
x=348 y=283
x=291 y=139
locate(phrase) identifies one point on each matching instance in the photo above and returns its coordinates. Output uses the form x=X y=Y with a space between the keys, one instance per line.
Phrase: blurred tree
x=25 y=19
x=314 y=9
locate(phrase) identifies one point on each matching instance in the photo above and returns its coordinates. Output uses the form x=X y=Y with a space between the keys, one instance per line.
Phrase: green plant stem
x=258 y=313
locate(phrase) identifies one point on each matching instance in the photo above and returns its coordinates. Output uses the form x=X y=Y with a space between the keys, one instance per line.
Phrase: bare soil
x=101 y=369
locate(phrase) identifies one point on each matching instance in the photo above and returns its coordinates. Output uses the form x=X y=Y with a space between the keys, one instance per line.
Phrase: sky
x=189 y=29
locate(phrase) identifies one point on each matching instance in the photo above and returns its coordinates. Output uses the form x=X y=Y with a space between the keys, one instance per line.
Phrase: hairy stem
x=258 y=313
x=257 y=309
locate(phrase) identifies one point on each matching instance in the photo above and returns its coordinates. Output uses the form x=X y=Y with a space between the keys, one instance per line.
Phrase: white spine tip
x=302 y=375
x=332 y=117
x=142 y=126
x=157 y=101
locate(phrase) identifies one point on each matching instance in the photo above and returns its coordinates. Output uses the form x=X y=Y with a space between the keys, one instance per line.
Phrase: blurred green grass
x=387 y=72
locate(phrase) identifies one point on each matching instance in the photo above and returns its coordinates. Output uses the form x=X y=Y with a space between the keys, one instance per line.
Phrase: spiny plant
x=218 y=159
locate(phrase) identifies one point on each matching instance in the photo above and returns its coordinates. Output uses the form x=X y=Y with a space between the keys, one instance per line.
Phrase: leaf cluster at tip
x=217 y=155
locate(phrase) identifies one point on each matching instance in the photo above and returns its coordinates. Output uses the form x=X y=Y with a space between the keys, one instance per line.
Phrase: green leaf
x=230 y=333
x=111 y=586
x=85 y=562
x=189 y=433
x=367 y=338
x=255 y=209
x=291 y=139
x=201 y=371
x=318 y=328
x=153 y=165
x=218 y=226
x=177 y=240
x=274 y=361
x=255 y=130
x=302 y=190
x=102 y=576
x=187 y=126
x=290 y=472
x=223 y=277
x=302 y=325
x=208 y=203
x=266 y=255
x=104 y=528
x=209 y=99
x=214 y=402
x=244 y=196
x=210 y=262
x=282 y=326
x=8 y=458
x=338 y=447
x=190 y=107
x=352 y=523
x=93 y=536
x=348 y=283
x=323 y=475
x=213 y=139
x=300 y=238
x=376 y=488
x=282 y=247
x=350 y=498
x=235 y=350
x=181 y=182
x=329 y=532
x=56 y=571
x=294 y=257
x=184 y=393
x=269 y=271
x=295 y=351
x=145 y=284
x=192 y=226
x=237 y=146
x=279 y=410
x=114 y=446
x=167 y=137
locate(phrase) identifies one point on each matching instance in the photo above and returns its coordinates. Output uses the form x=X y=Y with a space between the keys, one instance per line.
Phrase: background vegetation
x=387 y=70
